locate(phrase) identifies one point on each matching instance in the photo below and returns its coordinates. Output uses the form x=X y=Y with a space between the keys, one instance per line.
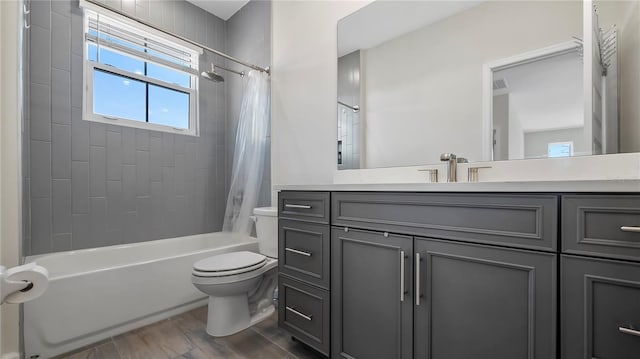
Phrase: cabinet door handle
x=629 y=331
x=307 y=317
x=303 y=253
x=630 y=229
x=417 y=278
x=301 y=206
x=402 y=276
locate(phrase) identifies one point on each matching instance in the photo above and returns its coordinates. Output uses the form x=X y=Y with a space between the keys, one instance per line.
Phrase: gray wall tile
x=81 y=237
x=98 y=222
x=61 y=7
x=98 y=134
x=167 y=14
x=111 y=184
x=142 y=173
x=142 y=140
x=155 y=12
x=157 y=209
x=61 y=151
x=76 y=81
x=77 y=28
x=115 y=211
x=61 y=205
x=116 y=4
x=129 y=187
x=114 y=156
x=129 y=146
x=61 y=40
x=40 y=225
x=79 y=137
x=41 y=13
x=179 y=18
x=155 y=158
x=40 y=121
x=80 y=187
x=143 y=226
x=97 y=172
x=129 y=230
x=40 y=169
x=60 y=96
x=40 y=55
x=129 y=7
x=61 y=242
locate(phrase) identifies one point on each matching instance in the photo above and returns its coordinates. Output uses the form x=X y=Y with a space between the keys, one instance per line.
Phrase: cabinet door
x=371 y=306
x=483 y=302
x=600 y=309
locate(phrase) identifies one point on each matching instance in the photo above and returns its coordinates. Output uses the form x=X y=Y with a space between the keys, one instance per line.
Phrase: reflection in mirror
x=537 y=106
x=420 y=86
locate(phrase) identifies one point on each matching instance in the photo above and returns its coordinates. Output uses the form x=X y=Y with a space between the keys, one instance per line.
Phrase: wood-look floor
x=184 y=337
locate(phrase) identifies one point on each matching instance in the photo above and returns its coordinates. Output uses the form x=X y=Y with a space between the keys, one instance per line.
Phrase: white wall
x=304 y=89
x=9 y=166
x=424 y=89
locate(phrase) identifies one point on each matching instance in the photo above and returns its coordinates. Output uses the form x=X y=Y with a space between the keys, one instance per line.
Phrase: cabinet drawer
x=304 y=206
x=600 y=308
x=304 y=311
x=516 y=220
x=304 y=251
x=594 y=224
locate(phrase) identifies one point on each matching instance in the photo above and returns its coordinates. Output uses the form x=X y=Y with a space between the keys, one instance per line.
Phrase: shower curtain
x=249 y=155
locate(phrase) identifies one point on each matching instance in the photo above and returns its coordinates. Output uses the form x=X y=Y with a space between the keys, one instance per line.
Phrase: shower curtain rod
x=222 y=54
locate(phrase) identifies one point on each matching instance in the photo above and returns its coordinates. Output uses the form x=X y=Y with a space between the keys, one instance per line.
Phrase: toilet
x=240 y=285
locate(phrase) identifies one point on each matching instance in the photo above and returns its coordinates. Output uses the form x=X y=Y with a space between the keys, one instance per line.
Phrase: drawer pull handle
x=307 y=317
x=629 y=331
x=418 y=278
x=303 y=253
x=630 y=229
x=300 y=206
x=402 y=276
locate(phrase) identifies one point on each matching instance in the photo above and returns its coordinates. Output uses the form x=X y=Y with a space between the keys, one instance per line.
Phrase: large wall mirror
x=487 y=80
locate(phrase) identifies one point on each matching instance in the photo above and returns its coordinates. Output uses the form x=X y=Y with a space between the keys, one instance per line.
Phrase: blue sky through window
x=123 y=97
x=118 y=96
x=168 y=107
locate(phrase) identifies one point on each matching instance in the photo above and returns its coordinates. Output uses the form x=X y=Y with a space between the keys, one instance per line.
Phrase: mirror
x=487 y=80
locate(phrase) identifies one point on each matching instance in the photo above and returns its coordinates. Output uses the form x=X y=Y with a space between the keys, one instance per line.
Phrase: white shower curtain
x=249 y=155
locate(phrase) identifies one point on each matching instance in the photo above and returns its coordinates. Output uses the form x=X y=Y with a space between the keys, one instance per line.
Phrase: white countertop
x=532 y=186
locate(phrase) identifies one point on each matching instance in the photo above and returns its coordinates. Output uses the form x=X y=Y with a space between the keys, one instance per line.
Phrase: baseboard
x=10 y=356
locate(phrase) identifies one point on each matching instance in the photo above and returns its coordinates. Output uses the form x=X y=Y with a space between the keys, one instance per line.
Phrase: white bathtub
x=97 y=293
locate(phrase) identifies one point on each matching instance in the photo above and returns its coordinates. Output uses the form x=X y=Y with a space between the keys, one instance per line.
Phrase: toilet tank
x=267 y=230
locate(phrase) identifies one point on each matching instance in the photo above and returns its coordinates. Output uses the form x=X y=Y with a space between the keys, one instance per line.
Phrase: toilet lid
x=233 y=261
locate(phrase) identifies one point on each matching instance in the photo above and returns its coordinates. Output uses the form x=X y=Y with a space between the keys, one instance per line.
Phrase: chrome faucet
x=452 y=165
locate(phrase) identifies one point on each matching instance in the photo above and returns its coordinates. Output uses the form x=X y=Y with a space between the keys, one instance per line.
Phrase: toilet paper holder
x=8 y=286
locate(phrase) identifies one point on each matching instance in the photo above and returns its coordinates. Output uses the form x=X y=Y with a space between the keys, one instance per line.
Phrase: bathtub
x=97 y=293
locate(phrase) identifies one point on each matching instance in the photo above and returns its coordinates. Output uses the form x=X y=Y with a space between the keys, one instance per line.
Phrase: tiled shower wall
x=89 y=184
x=248 y=38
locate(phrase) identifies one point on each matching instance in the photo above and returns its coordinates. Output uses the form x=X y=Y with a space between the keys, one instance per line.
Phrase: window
x=560 y=149
x=138 y=77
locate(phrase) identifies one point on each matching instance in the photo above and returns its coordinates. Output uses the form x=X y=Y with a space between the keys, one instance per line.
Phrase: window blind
x=106 y=31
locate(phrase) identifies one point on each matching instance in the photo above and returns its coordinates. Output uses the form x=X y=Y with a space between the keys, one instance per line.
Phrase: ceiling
x=382 y=21
x=223 y=9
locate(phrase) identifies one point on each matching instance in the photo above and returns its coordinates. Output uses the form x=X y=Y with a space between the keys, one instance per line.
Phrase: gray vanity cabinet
x=303 y=264
x=371 y=301
x=478 y=301
x=601 y=308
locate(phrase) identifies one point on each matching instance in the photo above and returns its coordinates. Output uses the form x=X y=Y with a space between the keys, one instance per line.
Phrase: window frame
x=90 y=67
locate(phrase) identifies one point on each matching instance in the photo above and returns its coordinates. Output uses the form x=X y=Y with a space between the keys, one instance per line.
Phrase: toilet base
x=229 y=315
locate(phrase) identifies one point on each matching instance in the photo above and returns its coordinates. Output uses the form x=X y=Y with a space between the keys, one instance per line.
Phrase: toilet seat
x=228 y=264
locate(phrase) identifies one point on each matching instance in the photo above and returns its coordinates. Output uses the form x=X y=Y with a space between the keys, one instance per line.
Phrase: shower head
x=212 y=75
x=216 y=77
